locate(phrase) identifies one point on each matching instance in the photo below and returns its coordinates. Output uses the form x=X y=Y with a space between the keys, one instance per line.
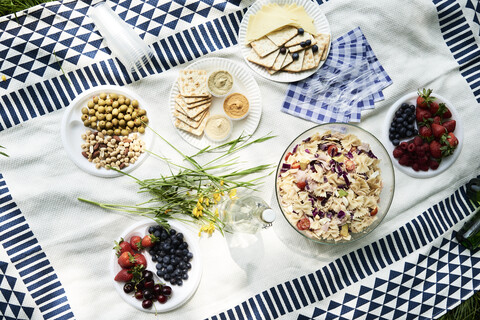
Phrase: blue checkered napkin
x=351 y=80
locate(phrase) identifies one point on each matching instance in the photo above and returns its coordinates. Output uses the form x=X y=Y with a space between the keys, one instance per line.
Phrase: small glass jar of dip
x=218 y=128
x=236 y=106
x=220 y=83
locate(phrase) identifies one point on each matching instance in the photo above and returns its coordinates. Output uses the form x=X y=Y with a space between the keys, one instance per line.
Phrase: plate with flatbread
x=285 y=40
x=191 y=103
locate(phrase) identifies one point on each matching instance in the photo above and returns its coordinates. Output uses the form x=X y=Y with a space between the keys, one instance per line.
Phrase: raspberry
x=426 y=147
x=411 y=147
x=404 y=145
x=422 y=160
x=418 y=141
x=420 y=152
x=404 y=160
x=434 y=164
x=416 y=166
x=423 y=166
x=397 y=152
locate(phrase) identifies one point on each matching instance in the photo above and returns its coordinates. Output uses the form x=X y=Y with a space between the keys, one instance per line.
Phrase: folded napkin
x=351 y=80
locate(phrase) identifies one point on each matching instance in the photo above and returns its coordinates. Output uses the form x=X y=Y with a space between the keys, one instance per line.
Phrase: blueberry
x=184 y=276
x=308 y=42
x=185 y=251
x=397 y=136
x=173 y=281
x=391 y=130
x=154 y=258
x=415 y=132
x=159 y=266
x=405 y=123
x=283 y=50
x=411 y=118
x=161 y=253
x=169 y=268
x=396 y=142
x=189 y=255
x=188 y=265
x=394 y=122
x=166 y=259
x=178 y=253
x=410 y=127
x=157 y=233
x=402 y=131
x=300 y=31
x=412 y=107
x=391 y=136
x=164 y=235
x=404 y=106
x=400 y=119
x=173 y=232
x=314 y=48
x=181 y=265
x=295 y=56
x=160 y=273
x=184 y=245
x=179 y=282
x=398 y=113
x=166 y=277
x=151 y=229
x=303 y=44
x=409 y=133
x=185 y=258
x=151 y=251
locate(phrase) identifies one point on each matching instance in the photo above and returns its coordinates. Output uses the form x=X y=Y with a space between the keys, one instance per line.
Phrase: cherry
x=167 y=290
x=147 y=304
x=139 y=295
x=157 y=289
x=128 y=287
x=147 y=294
x=149 y=284
x=147 y=274
x=162 y=299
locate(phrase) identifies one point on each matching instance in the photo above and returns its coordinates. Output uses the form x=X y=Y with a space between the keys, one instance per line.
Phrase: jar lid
x=268 y=215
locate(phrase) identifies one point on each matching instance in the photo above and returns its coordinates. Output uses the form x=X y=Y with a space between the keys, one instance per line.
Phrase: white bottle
x=247 y=214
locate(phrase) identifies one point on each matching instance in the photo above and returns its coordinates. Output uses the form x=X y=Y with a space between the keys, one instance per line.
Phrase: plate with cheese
x=285 y=40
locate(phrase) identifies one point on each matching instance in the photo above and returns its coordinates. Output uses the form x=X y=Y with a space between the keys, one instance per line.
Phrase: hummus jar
x=218 y=128
x=236 y=106
x=220 y=83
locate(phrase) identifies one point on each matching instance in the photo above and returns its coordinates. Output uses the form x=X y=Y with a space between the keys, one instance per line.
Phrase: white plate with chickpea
x=105 y=128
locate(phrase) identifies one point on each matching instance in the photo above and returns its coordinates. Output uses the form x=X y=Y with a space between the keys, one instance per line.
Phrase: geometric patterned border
x=20 y=244
x=356 y=265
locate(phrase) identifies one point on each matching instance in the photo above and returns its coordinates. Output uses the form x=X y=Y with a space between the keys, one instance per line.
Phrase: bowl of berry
x=156 y=269
x=424 y=134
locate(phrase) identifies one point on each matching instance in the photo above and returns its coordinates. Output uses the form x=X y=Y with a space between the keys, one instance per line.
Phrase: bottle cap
x=268 y=215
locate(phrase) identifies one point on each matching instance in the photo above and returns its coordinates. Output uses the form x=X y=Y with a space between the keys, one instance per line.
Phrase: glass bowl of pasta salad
x=335 y=183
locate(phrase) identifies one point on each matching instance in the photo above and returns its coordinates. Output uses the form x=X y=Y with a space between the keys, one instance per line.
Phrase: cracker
x=191 y=105
x=263 y=46
x=185 y=127
x=279 y=61
x=323 y=39
x=287 y=61
x=296 y=65
x=193 y=112
x=308 y=60
x=193 y=83
x=299 y=38
x=266 y=61
x=194 y=100
x=191 y=122
x=318 y=55
x=299 y=47
x=280 y=37
x=178 y=109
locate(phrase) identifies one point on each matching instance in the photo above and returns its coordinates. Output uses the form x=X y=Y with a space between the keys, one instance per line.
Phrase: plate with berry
x=156 y=269
x=424 y=134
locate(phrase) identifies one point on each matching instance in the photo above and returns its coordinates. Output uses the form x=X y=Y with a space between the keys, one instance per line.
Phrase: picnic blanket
x=56 y=252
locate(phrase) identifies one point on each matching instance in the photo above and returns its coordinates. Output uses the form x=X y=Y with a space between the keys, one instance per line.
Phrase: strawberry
x=438 y=130
x=126 y=260
x=121 y=247
x=450 y=125
x=451 y=140
x=434 y=107
x=124 y=275
x=434 y=164
x=422 y=115
x=437 y=120
x=424 y=99
x=443 y=111
x=136 y=243
x=149 y=240
x=425 y=132
x=435 y=149
x=140 y=260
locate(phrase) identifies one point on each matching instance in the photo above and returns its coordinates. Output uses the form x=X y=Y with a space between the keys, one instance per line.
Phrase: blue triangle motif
x=440 y=265
x=364 y=290
x=160 y=19
x=441 y=253
x=148 y=14
x=181 y=2
x=439 y=298
x=419 y=270
x=331 y=316
x=412 y=305
x=20 y=296
x=302 y=317
x=84 y=37
x=188 y=17
x=165 y=7
x=54 y=8
x=22 y=77
x=464 y=270
x=432 y=251
x=465 y=292
x=26 y=36
x=318 y=312
x=452 y=267
x=15 y=309
x=361 y=302
x=67 y=42
x=32 y=25
x=388 y=298
x=28 y=311
x=172 y=24
x=348 y=297
x=345 y=309
x=220 y=6
x=193 y=6
x=427 y=285
x=373 y=305
x=414 y=293
x=476 y=283
x=132 y=21
x=90 y=54
x=333 y=305
x=437 y=311
x=72 y=31
x=6 y=294
x=37 y=42
x=40 y=71
x=74 y=59
x=20 y=47
x=391 y=286
x=452 y=290
x=79 y=48
x=15 y=59
x=13 y=31
x=425 y=308
x=451 y=256
x=8 y=42
x=3 y=307
x=177 y=12
x=400 y=302
x=426 y=296
x=394 y=274
x=377 y=294
x=475 y=260
x=440 y=286
x=66 y=14
x=469 y=5
x=204 y=12
x=444 y=242
x=406 y=278
x=416 y=282
x=451 y=301
x=1 y=278
x=386 y=310
x=430 y=272
x=48 y=20
x=55 y=36
x=379 y=282
x=358 y=313
x=452 y=277
x=36 y=13
x=398 y=314
x=11 y=281
x=96 y=43
x=143 y=26
x=126 y=4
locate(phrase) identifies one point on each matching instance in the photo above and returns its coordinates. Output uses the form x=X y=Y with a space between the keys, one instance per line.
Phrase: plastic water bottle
x=247 y=214
x=469 y=234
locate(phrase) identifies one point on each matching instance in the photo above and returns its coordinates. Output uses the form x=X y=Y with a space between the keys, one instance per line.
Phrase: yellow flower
x=221 y=182
x=200 y=200
x=216 y=197
x=216 y=212
x=210 y=228
x=232 y=193
x=207 y=202
x=199 y=206
x=197 y=212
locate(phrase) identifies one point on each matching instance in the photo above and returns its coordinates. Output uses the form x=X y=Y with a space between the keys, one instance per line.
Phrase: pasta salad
x=329 y=186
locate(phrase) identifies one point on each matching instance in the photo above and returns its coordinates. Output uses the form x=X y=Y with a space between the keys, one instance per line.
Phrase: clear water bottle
x=469 y=234
x=247 y=214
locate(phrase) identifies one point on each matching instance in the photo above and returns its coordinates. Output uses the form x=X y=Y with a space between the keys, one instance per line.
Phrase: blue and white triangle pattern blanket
x=51 y=53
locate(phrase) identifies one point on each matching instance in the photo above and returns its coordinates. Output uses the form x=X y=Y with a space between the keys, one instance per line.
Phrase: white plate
x=411 y=98
x=320 y=22
x=180 y=294
x=72 y=128
x=243 y=82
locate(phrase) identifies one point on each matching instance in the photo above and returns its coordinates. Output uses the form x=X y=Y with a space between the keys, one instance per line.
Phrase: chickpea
x=127 y=117
x=117 y=132
x=135 y=103
x=101 y=109
x=124 y=132
x=84 y=110
x=115 y=112
x=93 y=124
x=91 y=112
x=108 y=102
x=84 y=117
x=144 y=119
x=95 y=107
x=131 y=124
x=127 y=101
x=90 y=104
x=103 y=96
x=122 y=123
x=135 y=129
x=101 y=102
x=129 y=110
x=101 y=116
x=129 y=129
x=108 y=117
x=141 y=129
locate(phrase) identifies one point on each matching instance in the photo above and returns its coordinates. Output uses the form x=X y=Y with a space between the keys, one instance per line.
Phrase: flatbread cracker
x=266 y=61
x=194 y=100
x=308 y=60
x=287 y=61
x=298 y=38
x=193 y=83
x=299 y=47
x=192 y=123
x=180 y=110
x=296 y=65
x=318 y=55
x=323 y=39
x=279 y=61
x=191 y=105
x=263 y=46
x=280 y=37
x=193 y=112
x=185 y=127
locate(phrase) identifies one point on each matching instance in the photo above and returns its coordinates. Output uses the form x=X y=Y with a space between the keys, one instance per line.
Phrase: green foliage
x=14 y=6
x=468 y=310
